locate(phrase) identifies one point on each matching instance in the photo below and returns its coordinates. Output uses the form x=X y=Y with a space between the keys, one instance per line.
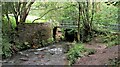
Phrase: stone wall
x=34 y=33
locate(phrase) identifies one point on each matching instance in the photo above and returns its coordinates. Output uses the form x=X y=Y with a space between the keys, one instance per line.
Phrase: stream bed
x=51 y=55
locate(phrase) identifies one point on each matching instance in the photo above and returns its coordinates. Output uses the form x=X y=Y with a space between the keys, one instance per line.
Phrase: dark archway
x=70 y=35
x=54 y=33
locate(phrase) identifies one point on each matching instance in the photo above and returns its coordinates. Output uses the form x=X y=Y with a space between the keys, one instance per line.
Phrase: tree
x=87 y=12
x=78 y=35
x=73 y=12
x=19 y=9
x=56 y=11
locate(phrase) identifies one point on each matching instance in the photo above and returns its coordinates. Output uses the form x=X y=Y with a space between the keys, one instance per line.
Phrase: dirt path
x=102 y=55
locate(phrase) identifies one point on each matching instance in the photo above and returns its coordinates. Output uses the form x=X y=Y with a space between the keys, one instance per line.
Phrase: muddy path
x=102 y=55
x=51 y=55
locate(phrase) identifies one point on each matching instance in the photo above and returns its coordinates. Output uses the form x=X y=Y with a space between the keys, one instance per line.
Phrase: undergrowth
x=110 y=39
x=6 y=47
x=114 y=62
x=78 y=51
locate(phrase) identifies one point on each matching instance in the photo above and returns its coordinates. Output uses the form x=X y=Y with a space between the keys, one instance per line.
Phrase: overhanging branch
x=50 y=11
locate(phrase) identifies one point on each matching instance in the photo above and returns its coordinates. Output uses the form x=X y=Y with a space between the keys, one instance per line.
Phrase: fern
x=75 y=52
x=6 y=48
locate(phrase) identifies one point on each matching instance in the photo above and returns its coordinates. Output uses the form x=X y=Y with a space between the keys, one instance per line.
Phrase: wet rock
x=34 y=61
x=42 y=64
x=40 y=49
x=26 y=55
x=11 y=61
x=21 y=53
x=48 y=60
x=64 y=58
x=32 y=50
x=56 y=51
x=24 y=59
x=3 y=61
x=52 y=53
x=38 y=64
x=41 y=56
x=105 y=64
x=36 y=53
x=53 y=45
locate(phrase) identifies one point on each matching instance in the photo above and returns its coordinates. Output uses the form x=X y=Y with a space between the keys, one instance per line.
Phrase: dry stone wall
x=34 y=33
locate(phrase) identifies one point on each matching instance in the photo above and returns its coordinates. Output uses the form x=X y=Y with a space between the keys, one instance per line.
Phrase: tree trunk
x=16 y=19
x=78 y=35
x=25 y=12
x=9 y=22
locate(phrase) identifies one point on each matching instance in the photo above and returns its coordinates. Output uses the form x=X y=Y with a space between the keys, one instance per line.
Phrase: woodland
x=72 y=33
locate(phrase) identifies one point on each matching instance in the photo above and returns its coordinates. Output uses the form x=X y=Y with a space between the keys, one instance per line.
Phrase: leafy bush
x=22 y=46
x=111 y=40
x=47 y=42
x=12 y=20
x=115 y=62
x=6 y=47
x=112 y=43
x=50 y=40
x=7 y=29
x=75 y=52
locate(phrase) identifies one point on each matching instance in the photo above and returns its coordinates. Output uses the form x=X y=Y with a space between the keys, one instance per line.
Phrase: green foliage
x=22 y=46
x=13 y=22
x=114 y=62
x=7 y=29
x=55 y=11
x=110 y=39
x=50 y=40
x=72 y=31
x=47 y=42
x=75 y=52
x=90 y=51
x=6 y=47
x=6 y=24
x=61 y=13
x=113 y=43
x=107 y=15
x=68 y=13
x=30 y=18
